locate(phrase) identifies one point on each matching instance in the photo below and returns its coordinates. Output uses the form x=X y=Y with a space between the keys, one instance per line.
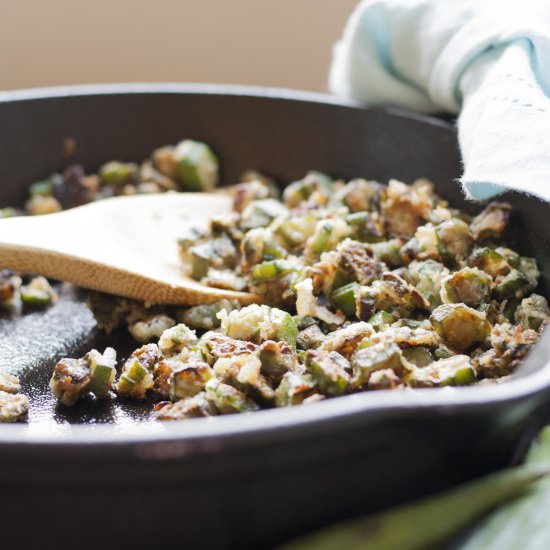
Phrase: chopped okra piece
x=197 y=166
x=328 y=233
x=509 y=255
x=70 y=380
x=343 y=298
x=162 y=376
x=509 y=344
x=513 y=285
x=330 y=371
x=271 y=270
x=38 y=293
x=372 y=355
x=454 y=371
x=102 y=370
x=42 y=188
x=460 y=326
x=426 y=276
x=295 y=231
x=405 y=208
x=39 y=205
x=204 y=316
x=261 y=213
x=259 y=323
x=276 y=359
x=380 y=320
x=9 y=383
x=388 y=252
x=359 y=195
x=345 y=340
x=173 y=340
x=418 y=355
x=310 y=337
x=243 y=371
x=532 y=313
x=491 y=222
x=490 y=261
x=189 y=379
x=367 y=227
x=356 y=262
x=528 y=266
x=287 y=330
x=137 y=372
x=118 y=174
x=393 y=294
x=469 y=286
x=315 y=187
x=192 y=407
x=13 y=407
x=454 y=241
x=443 y=352
x=384 y=379
x=294 y=389
x=152 y=328
x=228 y=400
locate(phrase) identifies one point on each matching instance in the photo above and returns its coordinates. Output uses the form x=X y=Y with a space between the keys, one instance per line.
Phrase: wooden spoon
x=123 y=245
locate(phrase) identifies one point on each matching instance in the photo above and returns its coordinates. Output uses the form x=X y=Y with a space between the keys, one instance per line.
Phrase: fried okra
x=14 y=406
x=364 y=287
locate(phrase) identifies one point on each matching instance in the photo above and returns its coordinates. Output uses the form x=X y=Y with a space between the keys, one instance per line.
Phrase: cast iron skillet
x=108 y=473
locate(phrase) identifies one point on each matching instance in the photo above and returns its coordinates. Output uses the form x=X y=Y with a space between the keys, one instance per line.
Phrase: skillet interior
x=284 y=135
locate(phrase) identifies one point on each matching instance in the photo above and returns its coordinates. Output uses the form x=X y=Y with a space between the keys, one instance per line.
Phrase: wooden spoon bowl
x=122 y=245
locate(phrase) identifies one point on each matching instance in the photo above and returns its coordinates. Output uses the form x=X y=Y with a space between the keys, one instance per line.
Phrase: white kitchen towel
x=488 y=60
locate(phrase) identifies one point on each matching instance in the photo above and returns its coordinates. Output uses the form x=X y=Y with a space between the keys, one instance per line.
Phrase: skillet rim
x=280 y=423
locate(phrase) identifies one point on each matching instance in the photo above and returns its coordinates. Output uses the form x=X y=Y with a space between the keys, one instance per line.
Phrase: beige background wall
x=264 y=42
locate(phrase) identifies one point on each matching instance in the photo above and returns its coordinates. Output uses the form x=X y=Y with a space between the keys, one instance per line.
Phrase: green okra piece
x=460 y=326
x=197 y=165
x=189 y=379
x=321 y=238
x=291 y=233
x=373 y=356
x=42 y=188
x=380 y=319
x=532 y=312
x=276 y=360
x=13 y=407
x=513 y=285
x=470 y=286
x=288 y=331
x=103 y=371
x=329 y=371
x=227 y=399
x=427 y=523
x=310 y=337
x=271 y=270
x=344 y=298
x=454 y=371
x=490 y=261
x=35 y=298
x=201 y=260
x=118 y=173
x=418 y=355
x=294 y=389
x=388 y=252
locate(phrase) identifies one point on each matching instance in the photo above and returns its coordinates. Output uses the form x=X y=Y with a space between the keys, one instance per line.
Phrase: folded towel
x=488 y=60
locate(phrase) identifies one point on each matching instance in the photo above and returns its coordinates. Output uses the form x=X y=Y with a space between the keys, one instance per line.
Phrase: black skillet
x=101 y=475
